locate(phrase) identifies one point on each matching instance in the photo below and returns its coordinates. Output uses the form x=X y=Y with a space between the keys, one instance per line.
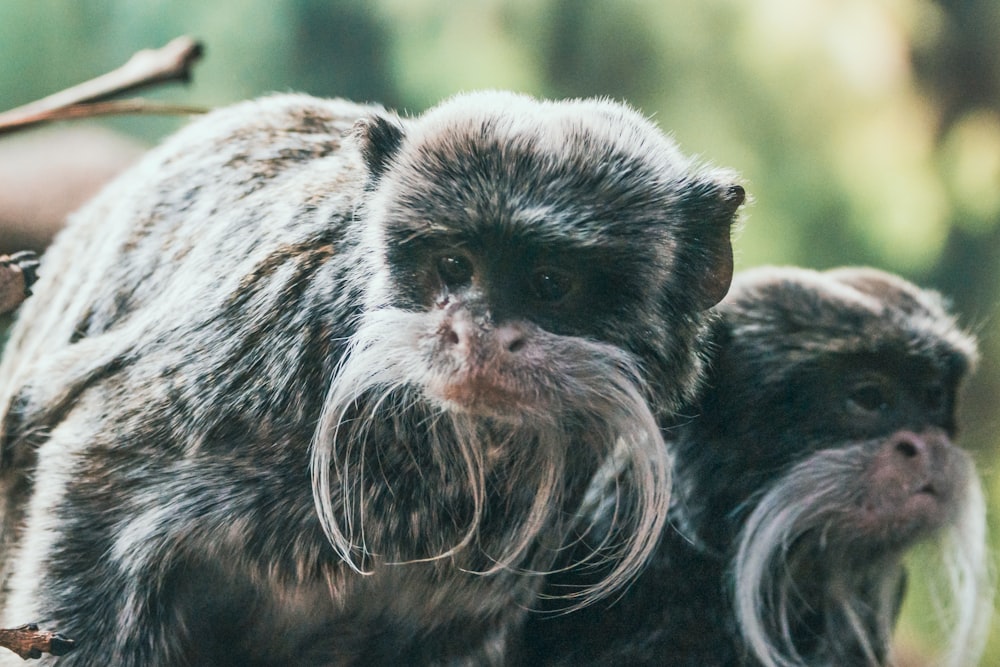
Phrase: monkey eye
x=454 y=270
x=868 y=398
x=552 y=285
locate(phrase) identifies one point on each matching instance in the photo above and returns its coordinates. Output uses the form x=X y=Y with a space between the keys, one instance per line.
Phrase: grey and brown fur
x=318 y=384
x=818 y=454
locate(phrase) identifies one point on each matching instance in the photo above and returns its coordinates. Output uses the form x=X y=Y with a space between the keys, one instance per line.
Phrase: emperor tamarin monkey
x=318 y=384
x=819 y=452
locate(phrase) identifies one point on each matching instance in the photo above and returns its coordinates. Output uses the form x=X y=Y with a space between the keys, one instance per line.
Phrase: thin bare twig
x=109 y=108
x=145 y=68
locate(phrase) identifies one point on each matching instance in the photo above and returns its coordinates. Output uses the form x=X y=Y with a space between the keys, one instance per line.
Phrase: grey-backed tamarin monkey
x=318 y=384
x=818 y=454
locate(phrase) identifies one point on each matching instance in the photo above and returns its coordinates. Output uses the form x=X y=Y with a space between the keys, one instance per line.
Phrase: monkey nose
x=912 y=453
x=460 y=332
x=908 y=446
x=917 y=457
x=929 y=447
x=466 y=336
x=511 y=338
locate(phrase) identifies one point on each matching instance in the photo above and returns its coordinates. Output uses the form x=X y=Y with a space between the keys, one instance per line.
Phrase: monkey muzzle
x=912 y=485
x=488 y=368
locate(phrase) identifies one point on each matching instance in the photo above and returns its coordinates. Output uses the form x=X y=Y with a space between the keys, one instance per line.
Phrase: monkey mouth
x=482 y=395
x=901 y=518
x=924 y=504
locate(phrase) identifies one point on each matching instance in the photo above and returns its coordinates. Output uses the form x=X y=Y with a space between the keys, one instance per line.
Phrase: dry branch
x=17 y=273
x=30 y=642
x=145 y=68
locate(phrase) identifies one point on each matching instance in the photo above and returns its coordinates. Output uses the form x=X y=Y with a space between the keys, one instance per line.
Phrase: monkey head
x=535 y=280
x=524 y=228
x=822 y=451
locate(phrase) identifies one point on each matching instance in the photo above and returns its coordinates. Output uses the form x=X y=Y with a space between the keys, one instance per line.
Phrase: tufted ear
x=719 y=206
x=380 y=137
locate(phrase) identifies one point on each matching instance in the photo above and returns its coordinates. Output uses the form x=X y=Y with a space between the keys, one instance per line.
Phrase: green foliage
x=868 y=131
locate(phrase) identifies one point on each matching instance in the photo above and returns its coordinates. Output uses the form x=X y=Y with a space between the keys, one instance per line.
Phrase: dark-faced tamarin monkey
x=819 y=452
x=315 y=383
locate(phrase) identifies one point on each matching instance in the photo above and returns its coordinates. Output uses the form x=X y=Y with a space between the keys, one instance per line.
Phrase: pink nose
x=510 y=337
x=465 y=334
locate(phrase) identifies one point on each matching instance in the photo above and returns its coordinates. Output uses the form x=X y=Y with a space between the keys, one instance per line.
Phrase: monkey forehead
x=548 y=124
x=594 y=165
x=846 y=310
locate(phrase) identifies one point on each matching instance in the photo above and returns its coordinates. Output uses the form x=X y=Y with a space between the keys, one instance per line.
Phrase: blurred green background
x=868 y=131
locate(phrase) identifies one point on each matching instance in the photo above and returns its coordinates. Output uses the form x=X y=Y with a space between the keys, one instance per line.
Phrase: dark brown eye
x=868 y=398
x=454 y=270
x=551 y=285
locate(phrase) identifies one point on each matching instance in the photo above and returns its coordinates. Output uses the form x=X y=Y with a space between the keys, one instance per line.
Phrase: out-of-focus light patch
x=764 y=237
x=971 y=155
x=788 y=27
x=426 y=50
x=234 y=68
x=711 y=134
x=816 y=45
x=885 y=161
x=907 y=220
x=869 y=47
x=779 y=41
x=994 y=510
x=917 y=632
x=925 y=22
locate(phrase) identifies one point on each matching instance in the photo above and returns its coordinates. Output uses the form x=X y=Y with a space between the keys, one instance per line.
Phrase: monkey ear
x=717 y=273
x=380 y=137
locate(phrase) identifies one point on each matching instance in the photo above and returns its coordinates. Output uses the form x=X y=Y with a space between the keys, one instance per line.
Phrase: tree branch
x=93 y=109
x=30 y=642
x=17 y=274
x=145 y=68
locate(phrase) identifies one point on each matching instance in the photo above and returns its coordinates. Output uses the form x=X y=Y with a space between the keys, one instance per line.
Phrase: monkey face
x=867 y=444
x=913 y=479
x=825 y=537
x=515 y=331
x=890 y=421
x=534 y=277
x=506 y=331
x=824 y=445
x=861 y=465
x=531 y=246
x=853 y=366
